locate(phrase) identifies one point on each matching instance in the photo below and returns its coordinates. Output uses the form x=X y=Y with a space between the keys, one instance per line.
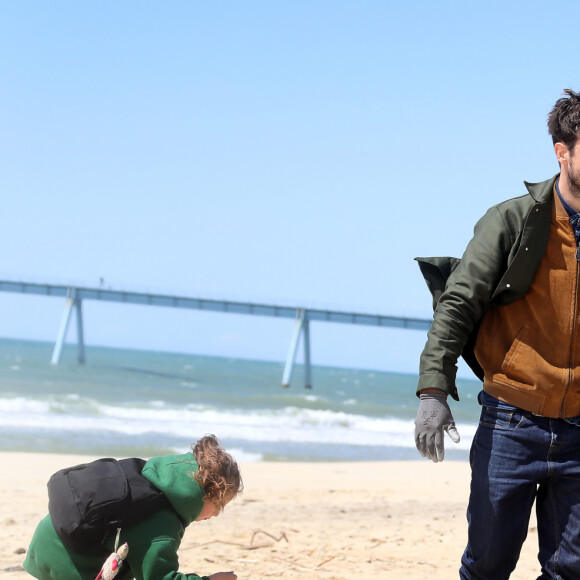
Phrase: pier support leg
x=62 y=330
x=80 y=337
x=307 y=370
x=287 y=376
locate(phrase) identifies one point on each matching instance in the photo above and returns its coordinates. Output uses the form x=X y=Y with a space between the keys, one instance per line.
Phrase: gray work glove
x=434 y=417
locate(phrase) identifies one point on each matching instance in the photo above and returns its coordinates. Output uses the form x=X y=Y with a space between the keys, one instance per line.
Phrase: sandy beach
x=380 y=520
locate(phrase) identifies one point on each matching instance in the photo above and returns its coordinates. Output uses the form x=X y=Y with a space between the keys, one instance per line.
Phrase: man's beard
x=573 y=179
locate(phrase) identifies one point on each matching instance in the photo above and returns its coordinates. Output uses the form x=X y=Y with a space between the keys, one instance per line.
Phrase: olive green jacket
x=153 y=543
x=497 y=267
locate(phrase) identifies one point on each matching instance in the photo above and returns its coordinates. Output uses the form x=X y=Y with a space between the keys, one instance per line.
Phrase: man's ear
x=562 y=152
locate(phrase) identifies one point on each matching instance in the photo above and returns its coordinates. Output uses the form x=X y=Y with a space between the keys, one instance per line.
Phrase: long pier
x=74 y=296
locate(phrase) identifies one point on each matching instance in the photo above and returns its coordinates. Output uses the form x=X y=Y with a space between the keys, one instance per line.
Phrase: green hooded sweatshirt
x=153 y=543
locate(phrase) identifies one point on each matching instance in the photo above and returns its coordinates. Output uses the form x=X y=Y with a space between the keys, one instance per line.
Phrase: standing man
x=511 y=307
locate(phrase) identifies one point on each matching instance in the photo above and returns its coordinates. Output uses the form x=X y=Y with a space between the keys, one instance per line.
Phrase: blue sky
x=295 y=152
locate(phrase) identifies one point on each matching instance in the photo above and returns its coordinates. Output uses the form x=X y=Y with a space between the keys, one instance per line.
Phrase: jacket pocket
x=525 y=368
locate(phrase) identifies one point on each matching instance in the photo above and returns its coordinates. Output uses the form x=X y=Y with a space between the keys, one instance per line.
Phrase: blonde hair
x=218 y=472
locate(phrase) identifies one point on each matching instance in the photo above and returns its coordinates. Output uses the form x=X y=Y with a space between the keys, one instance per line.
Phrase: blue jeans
x=516 y=458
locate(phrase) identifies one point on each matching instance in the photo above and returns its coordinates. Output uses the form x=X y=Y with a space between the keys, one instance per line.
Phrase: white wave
x=241 y=456
x=14 y=407
x=290 y=424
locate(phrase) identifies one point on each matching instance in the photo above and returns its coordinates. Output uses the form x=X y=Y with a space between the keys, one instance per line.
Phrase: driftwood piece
x=250 y=546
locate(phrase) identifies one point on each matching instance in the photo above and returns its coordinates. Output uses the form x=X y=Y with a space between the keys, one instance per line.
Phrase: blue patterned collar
x=574 y=215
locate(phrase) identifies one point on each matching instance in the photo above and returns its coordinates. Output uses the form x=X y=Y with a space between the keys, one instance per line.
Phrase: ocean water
x=139 y=403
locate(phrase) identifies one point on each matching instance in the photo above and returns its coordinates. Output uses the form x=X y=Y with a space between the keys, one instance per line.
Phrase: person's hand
x=434 y=417
x=223 y=576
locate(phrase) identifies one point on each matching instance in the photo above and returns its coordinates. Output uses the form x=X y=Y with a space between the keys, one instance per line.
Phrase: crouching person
x=195 y=486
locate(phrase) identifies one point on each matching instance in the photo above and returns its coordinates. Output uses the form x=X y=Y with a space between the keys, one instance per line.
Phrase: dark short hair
x=564 y=119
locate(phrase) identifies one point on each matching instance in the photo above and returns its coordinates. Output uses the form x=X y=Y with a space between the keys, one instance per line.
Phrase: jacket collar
x=542 y=192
